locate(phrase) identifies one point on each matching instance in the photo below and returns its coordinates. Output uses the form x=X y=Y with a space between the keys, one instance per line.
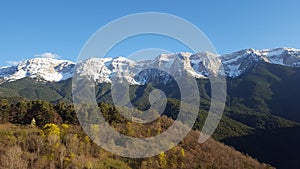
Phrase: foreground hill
x=66 y=146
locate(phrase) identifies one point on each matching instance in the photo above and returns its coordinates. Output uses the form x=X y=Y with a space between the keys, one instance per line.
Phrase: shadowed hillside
x=279 y=147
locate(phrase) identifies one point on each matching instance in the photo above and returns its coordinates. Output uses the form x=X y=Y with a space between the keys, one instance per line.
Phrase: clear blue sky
x=31 y=27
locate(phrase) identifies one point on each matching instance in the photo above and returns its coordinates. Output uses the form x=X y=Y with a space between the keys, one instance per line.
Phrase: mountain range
x=199 y=65
x=262 y=106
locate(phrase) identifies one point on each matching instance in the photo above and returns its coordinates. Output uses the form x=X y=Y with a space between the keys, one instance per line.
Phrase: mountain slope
x=268 y=88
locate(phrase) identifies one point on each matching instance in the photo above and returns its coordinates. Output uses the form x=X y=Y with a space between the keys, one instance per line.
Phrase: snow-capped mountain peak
x=237 y=63
x=47 y=69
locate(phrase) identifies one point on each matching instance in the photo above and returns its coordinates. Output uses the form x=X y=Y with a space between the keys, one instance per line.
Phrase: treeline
x=23 y=111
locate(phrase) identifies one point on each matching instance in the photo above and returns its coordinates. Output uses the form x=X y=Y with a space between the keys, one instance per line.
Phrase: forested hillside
x=48 y=136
